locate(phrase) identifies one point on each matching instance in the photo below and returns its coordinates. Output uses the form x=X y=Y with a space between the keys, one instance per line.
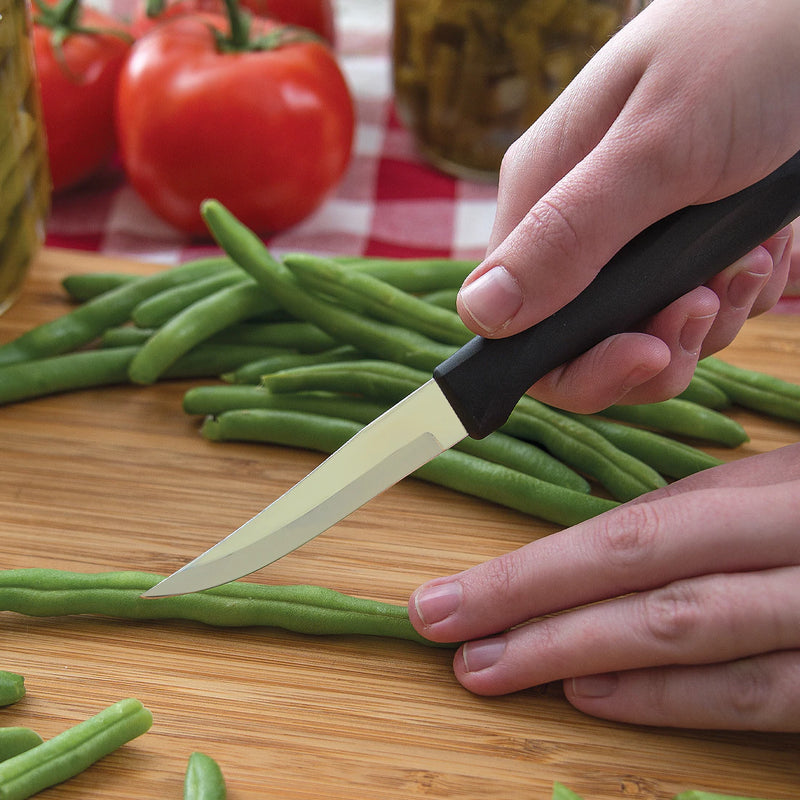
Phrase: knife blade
x=473 y=392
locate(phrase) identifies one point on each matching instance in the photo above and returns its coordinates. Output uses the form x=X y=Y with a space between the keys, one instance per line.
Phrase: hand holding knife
x=473 y=392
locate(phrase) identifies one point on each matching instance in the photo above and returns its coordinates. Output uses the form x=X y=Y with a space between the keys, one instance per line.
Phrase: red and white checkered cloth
x=390 y=202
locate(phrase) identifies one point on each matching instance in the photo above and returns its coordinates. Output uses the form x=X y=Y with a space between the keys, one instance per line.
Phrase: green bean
x=682 y=418
x=204 y=779
x=497 y=447
x=300 y=336
x=302 y=609
x=88 y=321
x=16 y=740
x=158 y=309
x=125 y=336
x=253 y=372
x=459 y=471
x=568 y=440
x=666 y=456
x=74 y=750
x=561 y=792
x=107 y=367
x=705 y=393
x=379 y=339
x=193 y=325
x=444 y=298
x=755 y=390
x=413 y=274
x=12 y=687
x=87 y=286
x=366 y=294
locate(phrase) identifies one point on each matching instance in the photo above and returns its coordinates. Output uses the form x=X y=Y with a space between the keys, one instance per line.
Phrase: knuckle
x=501 y=576
x=551 y=229
x=748 y=687
x=626 y=539
x=671 y=614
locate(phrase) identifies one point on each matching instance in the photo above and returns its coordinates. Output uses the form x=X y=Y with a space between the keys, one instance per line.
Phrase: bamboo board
x=119 y=478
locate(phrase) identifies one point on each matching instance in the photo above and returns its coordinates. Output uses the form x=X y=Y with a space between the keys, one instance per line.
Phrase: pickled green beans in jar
x=24 y=179
x=470 y=76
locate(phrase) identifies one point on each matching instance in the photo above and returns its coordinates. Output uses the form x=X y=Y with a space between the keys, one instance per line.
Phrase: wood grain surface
x=119 y=478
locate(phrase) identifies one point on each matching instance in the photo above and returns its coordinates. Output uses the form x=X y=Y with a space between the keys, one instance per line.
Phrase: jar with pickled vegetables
x=24 y=178
x=470 y=76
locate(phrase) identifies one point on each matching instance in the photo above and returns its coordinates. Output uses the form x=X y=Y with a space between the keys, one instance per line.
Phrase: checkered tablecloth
x=389 y=202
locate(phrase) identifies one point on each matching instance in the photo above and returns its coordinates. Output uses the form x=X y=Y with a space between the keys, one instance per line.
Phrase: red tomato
x=78 y=81
x=267 y=132
x=316 y=15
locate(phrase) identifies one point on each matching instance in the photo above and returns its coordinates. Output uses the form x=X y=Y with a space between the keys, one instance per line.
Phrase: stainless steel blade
x=398 y=442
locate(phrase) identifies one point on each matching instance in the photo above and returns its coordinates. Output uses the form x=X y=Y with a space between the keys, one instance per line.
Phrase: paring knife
x=473 y=392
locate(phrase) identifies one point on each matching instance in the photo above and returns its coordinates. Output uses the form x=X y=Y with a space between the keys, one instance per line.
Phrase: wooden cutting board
x=119 y=479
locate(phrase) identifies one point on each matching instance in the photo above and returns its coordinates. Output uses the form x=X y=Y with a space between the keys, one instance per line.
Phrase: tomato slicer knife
x=473 y=392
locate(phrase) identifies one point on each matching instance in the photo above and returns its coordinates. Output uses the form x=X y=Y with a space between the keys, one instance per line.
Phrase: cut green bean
x=204 y=779
x=755 y=390
x=74 y=750
x=253 y=372
x=497 y=447
x=682 y=418
x=366 y=294
x=705 y=393
x=158 y=309
x=667 y=456
x=87 y=286
x=459 y=471
x=382 y=340
x=88 y=321
x=561 y=792
x=301 y=609
x=12 y=687
x=194 y=325
x=16 y=740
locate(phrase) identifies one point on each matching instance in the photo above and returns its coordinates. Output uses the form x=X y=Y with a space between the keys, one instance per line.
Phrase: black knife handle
x=485 y=379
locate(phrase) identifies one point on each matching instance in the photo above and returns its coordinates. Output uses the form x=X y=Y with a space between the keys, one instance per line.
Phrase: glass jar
x=24 y=178
x=470 y=76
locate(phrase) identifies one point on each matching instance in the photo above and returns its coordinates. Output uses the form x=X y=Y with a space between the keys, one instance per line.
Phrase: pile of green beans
x=72 y=751
x=338 y=340
x=302 y=609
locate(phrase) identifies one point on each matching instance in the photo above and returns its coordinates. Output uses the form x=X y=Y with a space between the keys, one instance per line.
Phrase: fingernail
x=482 y=654
x=694 y=332
x=437 y=601
x=493 y=299
x=595 y=685
x=744 y=287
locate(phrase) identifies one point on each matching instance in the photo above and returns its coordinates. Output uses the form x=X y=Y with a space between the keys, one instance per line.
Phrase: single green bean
x=74 y=750
x=366 y=294
x=16 y=740
x=705 y=393
x=12 y=687
x=253 y=372
x=193 y=325
x=497 y=447
x=443 y=298
x=755 y=390
x=378 y=339
x=682 y=418
x=300 y=336
x=158 y=309
x=88 y=321
x=458 y=471
x=561 y=792
x=204 y=779
x=666 y=456
x=87 y=286
x=413 y=274
x=125 y=336
x=302 y=609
